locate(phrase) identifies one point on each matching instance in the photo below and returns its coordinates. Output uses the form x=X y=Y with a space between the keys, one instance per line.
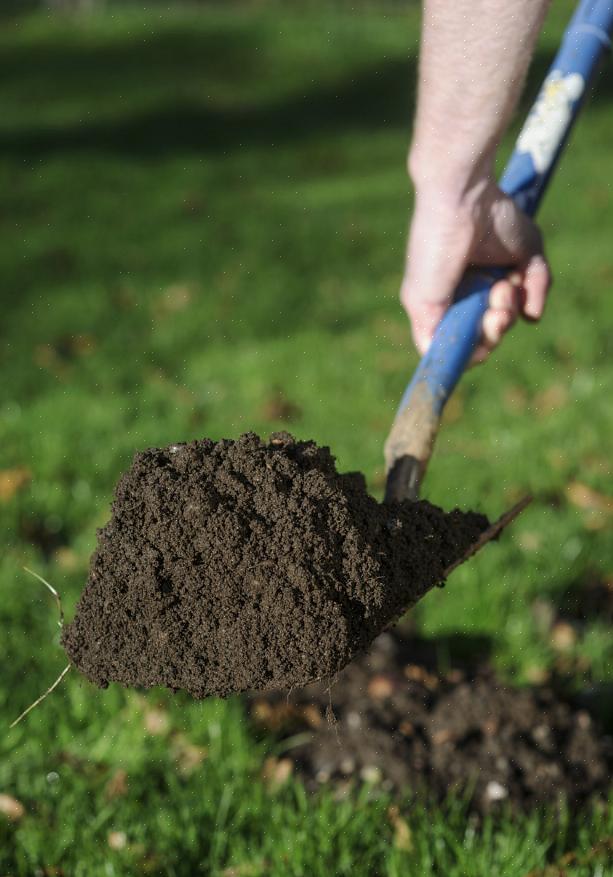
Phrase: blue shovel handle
x=538 y=147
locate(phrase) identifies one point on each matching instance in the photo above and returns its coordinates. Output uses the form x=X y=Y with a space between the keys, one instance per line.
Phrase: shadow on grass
x=376 y=96
x=442 y=653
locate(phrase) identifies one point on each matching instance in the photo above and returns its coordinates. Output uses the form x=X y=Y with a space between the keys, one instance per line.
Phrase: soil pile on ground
x=393 y=721
x=238 y=565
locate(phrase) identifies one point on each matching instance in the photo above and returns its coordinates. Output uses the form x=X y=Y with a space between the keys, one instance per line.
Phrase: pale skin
x=473 y=60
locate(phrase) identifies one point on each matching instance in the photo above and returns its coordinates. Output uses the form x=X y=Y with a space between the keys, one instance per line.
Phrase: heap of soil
x=392 y=720
x=238 y=565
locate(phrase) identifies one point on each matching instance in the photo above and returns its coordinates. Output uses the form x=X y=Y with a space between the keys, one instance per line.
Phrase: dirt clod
x=239 y=565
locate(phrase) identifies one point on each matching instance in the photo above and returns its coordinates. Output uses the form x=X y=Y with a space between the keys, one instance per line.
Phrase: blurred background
x=203 y=212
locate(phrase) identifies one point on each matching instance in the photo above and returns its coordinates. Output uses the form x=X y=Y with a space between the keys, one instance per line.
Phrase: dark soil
x=249 y=565
x=392 y=720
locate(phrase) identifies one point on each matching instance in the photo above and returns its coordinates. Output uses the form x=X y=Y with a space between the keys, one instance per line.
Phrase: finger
x=495 y=324
x=480 y=355
x=506 y=295
x=536 y=284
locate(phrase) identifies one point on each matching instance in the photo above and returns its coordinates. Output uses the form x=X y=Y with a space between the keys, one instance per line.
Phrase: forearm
x=473 y=61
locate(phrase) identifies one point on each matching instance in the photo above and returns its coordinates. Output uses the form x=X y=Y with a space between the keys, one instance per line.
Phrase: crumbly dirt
x=393 y=721
x=239 y=565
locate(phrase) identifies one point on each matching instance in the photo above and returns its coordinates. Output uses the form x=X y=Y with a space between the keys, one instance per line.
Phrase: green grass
x=202 y=210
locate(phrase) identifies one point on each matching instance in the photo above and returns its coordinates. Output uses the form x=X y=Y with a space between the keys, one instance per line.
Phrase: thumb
x=434 y=268
x=423 y=315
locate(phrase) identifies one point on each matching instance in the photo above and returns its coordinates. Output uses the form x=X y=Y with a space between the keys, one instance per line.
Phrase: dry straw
x=52 y=687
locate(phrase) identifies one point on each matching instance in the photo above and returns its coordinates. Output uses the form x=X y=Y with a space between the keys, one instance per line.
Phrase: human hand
x=448 y=234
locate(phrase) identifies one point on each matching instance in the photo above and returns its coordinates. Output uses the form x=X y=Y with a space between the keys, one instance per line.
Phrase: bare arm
x=474 y=57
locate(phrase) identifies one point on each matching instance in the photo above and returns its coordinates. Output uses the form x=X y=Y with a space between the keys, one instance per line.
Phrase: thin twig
x=53 y=591
x=42 y=697
x=492 y=531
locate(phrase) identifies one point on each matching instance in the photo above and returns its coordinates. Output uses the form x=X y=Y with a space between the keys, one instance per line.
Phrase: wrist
x=449 y=182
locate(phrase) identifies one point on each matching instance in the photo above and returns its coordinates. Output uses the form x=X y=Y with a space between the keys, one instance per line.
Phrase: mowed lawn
x=203 y=215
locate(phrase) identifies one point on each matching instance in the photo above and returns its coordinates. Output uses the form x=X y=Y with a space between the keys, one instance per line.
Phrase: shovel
x=540 y=143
